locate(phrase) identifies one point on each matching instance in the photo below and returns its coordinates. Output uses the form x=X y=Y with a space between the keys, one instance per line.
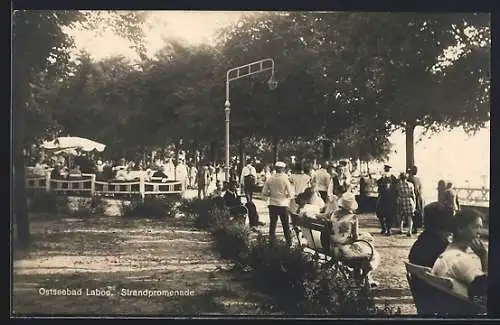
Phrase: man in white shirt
x=181 y=173
x=249 y=179
x=279 y=190
x=321 y=181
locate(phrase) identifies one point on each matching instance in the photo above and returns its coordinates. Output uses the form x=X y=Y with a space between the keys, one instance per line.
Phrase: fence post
x=142 y=187
x=92 y=185
x=47 y=182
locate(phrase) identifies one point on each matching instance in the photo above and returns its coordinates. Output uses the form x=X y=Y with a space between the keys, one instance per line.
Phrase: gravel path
x=111 y=255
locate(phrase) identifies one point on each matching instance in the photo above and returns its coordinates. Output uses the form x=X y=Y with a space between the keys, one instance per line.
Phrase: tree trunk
x=410 y=145
x=20 y=207
x=276 y=142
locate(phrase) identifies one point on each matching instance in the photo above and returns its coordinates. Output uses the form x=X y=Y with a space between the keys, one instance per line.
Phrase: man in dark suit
x=425 y=251
x=237 y=209
x=386 y=202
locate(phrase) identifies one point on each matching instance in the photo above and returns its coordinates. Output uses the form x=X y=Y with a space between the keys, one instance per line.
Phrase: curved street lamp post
x=242 y=72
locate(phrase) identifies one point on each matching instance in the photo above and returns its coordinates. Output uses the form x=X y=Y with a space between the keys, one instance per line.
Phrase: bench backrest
x=417 y=270
x=437 y=295
x=311 y=229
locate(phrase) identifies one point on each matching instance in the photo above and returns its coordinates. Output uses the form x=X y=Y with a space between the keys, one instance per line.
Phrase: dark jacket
x=231 y=199
x=427 y=249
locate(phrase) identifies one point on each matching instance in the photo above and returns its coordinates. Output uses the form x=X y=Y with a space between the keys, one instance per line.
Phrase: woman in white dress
x=345 y=232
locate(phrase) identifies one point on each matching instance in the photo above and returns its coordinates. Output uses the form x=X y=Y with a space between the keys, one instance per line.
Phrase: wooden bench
x=434 y=295
x=320 y=246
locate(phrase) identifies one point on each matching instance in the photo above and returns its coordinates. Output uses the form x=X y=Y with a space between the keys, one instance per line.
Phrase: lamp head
x=272 y=83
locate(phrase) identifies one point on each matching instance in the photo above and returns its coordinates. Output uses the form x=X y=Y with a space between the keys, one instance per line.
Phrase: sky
x=194 y=27
x=450 y=155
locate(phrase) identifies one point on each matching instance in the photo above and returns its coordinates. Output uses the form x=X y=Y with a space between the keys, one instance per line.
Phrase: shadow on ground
x=113 y=255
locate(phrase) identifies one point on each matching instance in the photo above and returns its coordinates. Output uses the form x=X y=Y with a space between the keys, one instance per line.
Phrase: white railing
x=87 y=184
x=466 y=195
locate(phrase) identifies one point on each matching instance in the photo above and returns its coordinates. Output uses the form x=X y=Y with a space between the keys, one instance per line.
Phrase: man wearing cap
x=279 y=190
x=386 y=202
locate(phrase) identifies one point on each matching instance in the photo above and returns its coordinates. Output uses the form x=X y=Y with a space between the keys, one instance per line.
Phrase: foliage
x=295 y=281
x=301 y=286
x=41 y=60
x=44 y=202
x=231 y=239
x=363 y=71
x=200 y=210
x=50 y=202
x=80 y=207
x=40 y=56
x=152 y=208
x=339 y=73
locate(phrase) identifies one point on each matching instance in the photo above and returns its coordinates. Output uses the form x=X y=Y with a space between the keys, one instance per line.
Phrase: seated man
x=75 y=172
x=57 y=172
x=237 y=209
x=232 y=201
x=107 y=173
x=159 y=176
x=465 y=259
x=435 y=237
x=121 y=174
x=426 y=249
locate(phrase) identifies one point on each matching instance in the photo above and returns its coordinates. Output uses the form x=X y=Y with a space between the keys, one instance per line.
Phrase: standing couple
x=399 y=201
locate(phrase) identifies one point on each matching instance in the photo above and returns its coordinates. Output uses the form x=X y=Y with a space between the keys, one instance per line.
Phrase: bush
x=279 y=271
x=152 y=207
x=202 y=211
x=43 y=202
x=231 y=240
x=295 y=281
x=299 y=285
x=81 y=207
x=97 y=205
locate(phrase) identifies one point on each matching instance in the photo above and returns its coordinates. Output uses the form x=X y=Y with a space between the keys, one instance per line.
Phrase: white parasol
x=72 y=143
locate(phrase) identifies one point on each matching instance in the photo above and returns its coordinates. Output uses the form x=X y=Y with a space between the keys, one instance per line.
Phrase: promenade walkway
x=391 y=274
x=111 y=253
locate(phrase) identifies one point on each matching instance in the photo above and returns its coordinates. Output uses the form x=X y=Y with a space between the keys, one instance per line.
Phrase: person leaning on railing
x=450 y=198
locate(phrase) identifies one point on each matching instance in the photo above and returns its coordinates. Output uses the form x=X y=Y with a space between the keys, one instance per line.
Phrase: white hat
x=348 y=202
x=280 y=164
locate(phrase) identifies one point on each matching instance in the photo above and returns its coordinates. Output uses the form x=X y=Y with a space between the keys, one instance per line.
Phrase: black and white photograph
x=195 y=163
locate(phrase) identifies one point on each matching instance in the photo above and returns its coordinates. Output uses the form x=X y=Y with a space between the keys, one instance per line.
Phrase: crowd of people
x=400 y=203
x=449 y=243
x=122 y=170
x=324 y=193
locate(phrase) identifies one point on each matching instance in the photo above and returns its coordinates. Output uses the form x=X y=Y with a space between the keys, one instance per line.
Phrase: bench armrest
x=372 y=249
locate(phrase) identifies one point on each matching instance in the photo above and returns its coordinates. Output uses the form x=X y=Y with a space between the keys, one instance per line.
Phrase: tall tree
x=40 y=47
x=397 y=53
